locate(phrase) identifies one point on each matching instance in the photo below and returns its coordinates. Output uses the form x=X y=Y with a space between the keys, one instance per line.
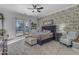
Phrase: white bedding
x=41 y=35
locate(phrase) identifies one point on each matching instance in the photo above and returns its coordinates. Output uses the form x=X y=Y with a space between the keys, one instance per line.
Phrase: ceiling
x=48 y=8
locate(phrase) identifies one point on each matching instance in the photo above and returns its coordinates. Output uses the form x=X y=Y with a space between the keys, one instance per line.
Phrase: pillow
x=46 y=31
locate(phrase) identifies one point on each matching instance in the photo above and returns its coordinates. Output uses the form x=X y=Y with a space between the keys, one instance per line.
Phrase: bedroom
x=36 y=29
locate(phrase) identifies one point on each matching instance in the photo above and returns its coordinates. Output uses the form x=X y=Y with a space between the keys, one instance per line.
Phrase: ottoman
x=31 y=40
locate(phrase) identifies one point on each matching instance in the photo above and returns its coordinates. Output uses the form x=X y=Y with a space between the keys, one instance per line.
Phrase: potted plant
x=2 y=32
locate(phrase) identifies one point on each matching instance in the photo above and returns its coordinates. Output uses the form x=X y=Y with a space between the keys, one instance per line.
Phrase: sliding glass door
x=22 y=27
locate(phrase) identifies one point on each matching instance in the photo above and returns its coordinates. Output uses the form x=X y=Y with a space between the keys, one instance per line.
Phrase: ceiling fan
x=36 y=8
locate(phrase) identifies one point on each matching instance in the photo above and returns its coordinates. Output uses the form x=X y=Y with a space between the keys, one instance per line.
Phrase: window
x=27 y=27
x=19 y=25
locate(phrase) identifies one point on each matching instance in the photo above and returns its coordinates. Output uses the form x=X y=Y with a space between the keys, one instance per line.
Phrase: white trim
x=73 y=5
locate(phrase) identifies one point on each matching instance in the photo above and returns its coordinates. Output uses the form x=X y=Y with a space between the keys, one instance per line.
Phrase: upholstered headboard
x=50 y=28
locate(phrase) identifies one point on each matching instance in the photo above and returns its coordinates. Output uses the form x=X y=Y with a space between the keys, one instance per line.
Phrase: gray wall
x=68 y=17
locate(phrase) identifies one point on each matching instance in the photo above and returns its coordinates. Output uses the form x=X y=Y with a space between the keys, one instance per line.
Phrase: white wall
x=10 y=21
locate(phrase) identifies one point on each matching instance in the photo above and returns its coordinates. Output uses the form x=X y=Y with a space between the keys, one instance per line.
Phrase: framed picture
x=33 y=25
x=48 y=22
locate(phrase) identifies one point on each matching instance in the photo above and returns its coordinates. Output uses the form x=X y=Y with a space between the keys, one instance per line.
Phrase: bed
x=51 y=35
x=41 y=36
x=46 y=35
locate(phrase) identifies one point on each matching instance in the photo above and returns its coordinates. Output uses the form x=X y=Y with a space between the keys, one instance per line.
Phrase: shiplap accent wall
x=68 y=17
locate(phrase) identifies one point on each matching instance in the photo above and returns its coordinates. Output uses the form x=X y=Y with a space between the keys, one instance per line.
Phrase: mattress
x=46 y=36
x=41 y=35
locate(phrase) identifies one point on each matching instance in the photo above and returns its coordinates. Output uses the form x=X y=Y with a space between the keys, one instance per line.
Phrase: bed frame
x=50 y=28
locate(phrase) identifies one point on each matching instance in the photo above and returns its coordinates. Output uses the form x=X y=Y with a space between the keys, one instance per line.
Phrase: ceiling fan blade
x=38 y=11
x=34 y=6
x=40 y=8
